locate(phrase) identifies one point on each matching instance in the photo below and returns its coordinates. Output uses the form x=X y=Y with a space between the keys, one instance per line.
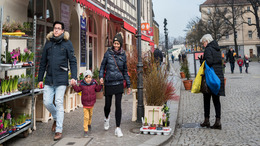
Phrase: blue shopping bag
x=212 y=79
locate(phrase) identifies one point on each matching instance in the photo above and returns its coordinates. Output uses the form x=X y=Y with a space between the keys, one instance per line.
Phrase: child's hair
x=88 y=73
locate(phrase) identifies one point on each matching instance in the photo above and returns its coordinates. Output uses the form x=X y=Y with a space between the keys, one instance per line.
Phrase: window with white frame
x=249 y=20
x=250 y=34
x=236 y=34
x=227 y=35
x=248 y=8
x=208 y=10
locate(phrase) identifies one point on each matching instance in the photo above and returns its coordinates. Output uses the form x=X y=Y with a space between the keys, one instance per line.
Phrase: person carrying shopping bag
x=88 y=87
x=212 y=56
x=115 y=65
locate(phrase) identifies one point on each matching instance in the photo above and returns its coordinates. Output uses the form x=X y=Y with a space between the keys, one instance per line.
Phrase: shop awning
x=145 y=38
x=151 y=43
x=94 y=7
x=129 y=27
x=115 y=18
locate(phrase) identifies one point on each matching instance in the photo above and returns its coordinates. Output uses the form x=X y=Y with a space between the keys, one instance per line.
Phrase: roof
x=212 y=2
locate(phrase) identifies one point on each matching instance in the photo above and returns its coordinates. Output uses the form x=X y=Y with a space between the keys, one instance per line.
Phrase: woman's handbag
x=204 y=87
x=212 y=79
x=124 y=81
x=196 y=86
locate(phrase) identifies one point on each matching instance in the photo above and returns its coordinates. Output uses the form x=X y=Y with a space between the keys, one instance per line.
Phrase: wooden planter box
x=78 y=99
x=42 y=114
x=100 y=95
x=149 y=113
x=135 y=103
x=69 y=100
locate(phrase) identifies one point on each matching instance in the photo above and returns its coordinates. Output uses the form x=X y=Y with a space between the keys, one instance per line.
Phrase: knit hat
x=119 y=37
x=88 y=72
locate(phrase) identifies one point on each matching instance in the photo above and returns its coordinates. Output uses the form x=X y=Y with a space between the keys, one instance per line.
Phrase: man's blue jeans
x=56 y=110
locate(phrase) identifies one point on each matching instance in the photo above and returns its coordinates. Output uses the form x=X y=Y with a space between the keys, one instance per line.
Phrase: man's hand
x=101 y=81
x=73 y=82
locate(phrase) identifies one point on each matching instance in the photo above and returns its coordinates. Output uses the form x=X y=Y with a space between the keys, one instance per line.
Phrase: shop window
x=49 y=12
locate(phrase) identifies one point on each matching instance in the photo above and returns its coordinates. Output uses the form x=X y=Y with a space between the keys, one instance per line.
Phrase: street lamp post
x=140 y=106
x=166 y=43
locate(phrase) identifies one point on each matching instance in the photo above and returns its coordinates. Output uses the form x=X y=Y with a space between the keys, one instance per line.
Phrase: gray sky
x=177 y=12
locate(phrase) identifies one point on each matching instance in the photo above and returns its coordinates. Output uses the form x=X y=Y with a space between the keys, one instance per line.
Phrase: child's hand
x=128 y=91
x=101 y=81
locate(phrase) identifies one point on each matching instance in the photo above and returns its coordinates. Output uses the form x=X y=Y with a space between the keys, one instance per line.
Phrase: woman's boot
x=205 y=123
x=217 y=124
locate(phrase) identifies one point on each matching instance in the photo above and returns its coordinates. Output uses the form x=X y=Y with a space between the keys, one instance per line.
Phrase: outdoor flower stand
x=165 y=131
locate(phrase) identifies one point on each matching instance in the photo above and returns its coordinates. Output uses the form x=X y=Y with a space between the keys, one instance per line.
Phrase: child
x=240 y=63
x=89 y=87
x=246 y=60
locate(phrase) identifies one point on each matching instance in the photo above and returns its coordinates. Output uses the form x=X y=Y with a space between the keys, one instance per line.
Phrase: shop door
x=251 y=53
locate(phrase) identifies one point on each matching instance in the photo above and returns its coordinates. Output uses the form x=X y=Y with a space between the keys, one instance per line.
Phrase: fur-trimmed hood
x=66 y=35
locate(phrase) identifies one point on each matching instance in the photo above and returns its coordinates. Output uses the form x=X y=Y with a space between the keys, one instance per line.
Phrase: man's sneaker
x=118 y=132
x=106 y=124
x=85 y=134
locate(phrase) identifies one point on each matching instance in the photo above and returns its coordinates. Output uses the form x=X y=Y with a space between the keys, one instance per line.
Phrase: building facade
x=247 y=39
x=92 y=24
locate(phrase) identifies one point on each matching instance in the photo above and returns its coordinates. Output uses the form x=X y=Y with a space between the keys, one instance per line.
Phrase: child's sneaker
x=89 y=128
x=118 y=132
x=106 y=124
x=85 y=134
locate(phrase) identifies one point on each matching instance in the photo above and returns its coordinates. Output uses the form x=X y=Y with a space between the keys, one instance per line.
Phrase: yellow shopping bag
x=197 y=82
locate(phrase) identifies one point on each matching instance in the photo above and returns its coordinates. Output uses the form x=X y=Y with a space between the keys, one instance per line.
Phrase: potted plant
x=145 y=127
x=13 y=125
x=17 y=26
x=166 y=115
x=27 y=117
x=100 y=94
x=181 y=71
x=159 y=128
x=187 y=83
x=152 y=127
x=7 y=27
x=26 y=27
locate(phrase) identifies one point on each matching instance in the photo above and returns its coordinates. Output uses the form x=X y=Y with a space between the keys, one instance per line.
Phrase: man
x=172 y=58
x=57 y=52
x=231 y=58
x=179 y=56
x=158 y=56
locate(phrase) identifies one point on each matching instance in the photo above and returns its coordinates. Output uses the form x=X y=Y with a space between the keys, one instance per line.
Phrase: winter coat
x=112 y=75
x=230 y=56
x=212 y=55
x=54 y=60
x=246 y=61
x=88 y=95
x=240 y=62
x=158 y=55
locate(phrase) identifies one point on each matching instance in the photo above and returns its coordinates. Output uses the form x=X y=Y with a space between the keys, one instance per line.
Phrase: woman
x=212 y=55
x=114 y=62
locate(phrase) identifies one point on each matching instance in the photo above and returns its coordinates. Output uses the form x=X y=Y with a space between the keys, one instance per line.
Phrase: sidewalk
x=73 y=126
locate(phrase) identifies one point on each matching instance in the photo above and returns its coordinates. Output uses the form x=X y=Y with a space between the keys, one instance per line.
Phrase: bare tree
x=255 y=5
x=195 y=31
x=234 y=12
x=214 y=23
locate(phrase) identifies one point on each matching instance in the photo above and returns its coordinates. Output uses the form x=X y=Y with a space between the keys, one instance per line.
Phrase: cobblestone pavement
x=240 y=113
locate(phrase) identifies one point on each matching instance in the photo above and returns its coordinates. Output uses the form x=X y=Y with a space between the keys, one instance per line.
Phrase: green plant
x=26 y=27
x=24 y=85
x=7 y=27
x=145 y=121
x=166 y=114
x=96 y=75
x=160 y=120
x=81 y=76
x=16 y=25
x=31 y=56
x=186 y=69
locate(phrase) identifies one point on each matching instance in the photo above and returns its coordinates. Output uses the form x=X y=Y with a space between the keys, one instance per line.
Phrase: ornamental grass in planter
x=132 y=60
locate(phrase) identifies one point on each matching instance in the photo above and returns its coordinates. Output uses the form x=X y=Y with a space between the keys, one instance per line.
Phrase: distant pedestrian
x=246 y=61
x=183 y=57
x=115 y=64
x=212 y=55
x=88 y=87
x=158 y=56
x=179 y=57
x=231 y=58
x=172 y=58
x=240 y=63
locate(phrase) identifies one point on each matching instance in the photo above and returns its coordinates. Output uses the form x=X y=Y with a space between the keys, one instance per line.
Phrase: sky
x=178 y=13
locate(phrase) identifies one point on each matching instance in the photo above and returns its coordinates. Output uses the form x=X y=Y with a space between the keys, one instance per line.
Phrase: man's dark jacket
x=55 y=57
x=158 y=55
